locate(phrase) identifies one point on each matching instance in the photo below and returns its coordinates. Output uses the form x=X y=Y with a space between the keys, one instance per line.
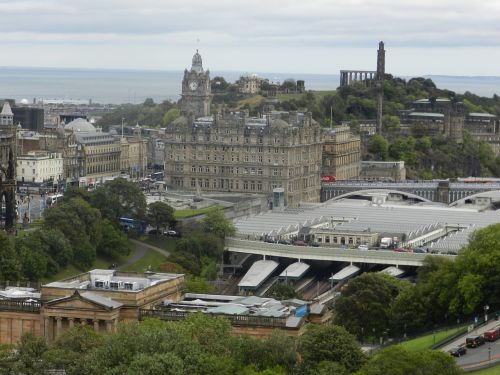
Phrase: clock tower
x=196 y=97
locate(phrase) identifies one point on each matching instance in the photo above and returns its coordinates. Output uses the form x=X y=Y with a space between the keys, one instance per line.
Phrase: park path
x=140 y=249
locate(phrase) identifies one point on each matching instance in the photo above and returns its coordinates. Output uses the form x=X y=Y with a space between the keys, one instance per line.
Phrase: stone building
x=53 y=141
x=484 y=127
x=98 y=298
x=341 y=153
x=236 y=153
x=98 y=153
x=383 y=171
x=435 y=116
x=8 y=145
x=249 y=84
x=39 y=167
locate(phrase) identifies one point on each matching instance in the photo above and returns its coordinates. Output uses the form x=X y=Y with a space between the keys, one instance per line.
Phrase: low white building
x=39 y=166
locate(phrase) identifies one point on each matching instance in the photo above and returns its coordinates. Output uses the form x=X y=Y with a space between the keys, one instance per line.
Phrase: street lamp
x=486 y=308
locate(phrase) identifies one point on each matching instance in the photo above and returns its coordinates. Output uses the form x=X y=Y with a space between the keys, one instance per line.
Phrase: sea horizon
x=118 y=86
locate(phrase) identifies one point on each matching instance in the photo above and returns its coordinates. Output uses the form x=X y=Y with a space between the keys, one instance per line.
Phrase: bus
x=128 y=224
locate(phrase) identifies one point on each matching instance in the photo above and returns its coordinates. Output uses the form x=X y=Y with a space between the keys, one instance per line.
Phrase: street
x=490 y=350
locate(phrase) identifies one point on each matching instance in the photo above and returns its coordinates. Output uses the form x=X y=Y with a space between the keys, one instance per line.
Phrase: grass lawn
x=487 y=371
x=163 y=242
x=151 y=258
x=425 y=342
x=183 y=214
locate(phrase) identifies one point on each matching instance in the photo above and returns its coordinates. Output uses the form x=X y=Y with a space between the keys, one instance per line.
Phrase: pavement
x=490 y=351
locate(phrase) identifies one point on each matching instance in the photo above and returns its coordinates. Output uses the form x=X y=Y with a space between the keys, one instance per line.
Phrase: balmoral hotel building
x=236 y=153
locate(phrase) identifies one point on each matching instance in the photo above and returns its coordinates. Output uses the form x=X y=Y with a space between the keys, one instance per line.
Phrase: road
x=34 y=206
x=490 y=350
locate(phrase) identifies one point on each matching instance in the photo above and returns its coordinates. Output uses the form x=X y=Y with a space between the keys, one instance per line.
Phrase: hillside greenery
x=204 y=345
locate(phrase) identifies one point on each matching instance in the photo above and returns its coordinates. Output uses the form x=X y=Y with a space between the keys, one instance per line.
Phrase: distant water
x=120 y=86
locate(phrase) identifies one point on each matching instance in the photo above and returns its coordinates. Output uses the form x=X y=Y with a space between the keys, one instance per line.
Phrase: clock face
x=193 y=85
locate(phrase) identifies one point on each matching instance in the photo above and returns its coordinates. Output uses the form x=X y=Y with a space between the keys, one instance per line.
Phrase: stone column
x=83 y=322
x=109 y=326
x=71 y=322
x=115 y=323
x=58 y=326
x=46 y=332
x=96 y=325
x=350 y=77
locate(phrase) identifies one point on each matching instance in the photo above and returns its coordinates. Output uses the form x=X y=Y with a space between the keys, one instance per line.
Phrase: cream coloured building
x=39 y=167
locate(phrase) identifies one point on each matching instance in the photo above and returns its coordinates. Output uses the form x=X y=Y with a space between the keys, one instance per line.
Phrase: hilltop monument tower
x=380 y=84
x=196 y=94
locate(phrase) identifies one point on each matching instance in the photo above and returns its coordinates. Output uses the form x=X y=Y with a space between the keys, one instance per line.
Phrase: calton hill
x=426 y=156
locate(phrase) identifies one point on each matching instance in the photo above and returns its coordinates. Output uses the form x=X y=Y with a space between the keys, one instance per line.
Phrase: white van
x=53 y=199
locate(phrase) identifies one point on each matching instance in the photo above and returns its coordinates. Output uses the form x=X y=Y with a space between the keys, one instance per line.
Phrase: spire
x=197 y=64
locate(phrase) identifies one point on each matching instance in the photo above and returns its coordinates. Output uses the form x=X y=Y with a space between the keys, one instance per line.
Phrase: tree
x=120 y=198
x=364 y=306
x=79 y=222
x=379 y=147
x=160 y=215
x=330 y=343
x=218 y=84
x=113 y=242
x=10 y=266
x=149 y=102
x=198 y=285
x=215 y=222
x=283 y=291
x=28 y=357
x=68 y=349
x=396 y=360
x=128 y=199
x=171 y=115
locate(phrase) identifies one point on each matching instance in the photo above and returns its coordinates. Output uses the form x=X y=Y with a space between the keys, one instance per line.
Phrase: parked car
x=154 y=232
x=299 y=243
x=363 y=247
x=419 y=250
x=474 y=341
x=314 y=244
x=458 y=351
x=171 y=233
x=492 y=335
x=402 y=250
x=285 y=242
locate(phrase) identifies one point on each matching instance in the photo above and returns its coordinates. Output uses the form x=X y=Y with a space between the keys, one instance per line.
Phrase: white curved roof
x=80 y=125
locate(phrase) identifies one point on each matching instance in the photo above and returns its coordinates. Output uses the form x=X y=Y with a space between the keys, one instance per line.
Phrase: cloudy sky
x=454 y=37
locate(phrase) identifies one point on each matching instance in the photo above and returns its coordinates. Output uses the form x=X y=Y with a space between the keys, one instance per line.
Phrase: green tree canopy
x=215 y=222
x=330 y=343
x=160 y=215
x=364 y=306
x=396 y=360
